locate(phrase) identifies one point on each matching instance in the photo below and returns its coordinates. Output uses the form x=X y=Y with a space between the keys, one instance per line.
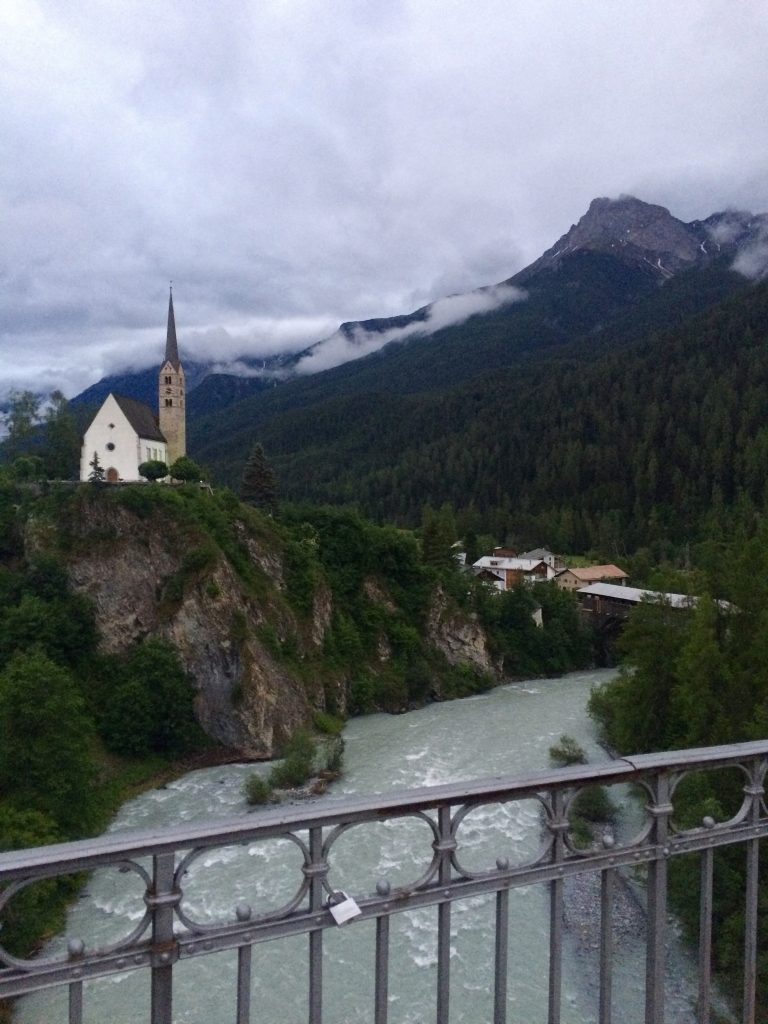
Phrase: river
x=506 y=731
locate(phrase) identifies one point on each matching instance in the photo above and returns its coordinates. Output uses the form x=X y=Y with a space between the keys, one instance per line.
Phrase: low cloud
x=344 y=346
x=752 y=261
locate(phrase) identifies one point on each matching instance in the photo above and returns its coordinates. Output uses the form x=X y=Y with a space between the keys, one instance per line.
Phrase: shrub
x=566 y=752
x=153 y=470
x=594 y=805
x=257 y=790
x=186 y=470
x=297 y=764
x=328 y=724
x=150 y=707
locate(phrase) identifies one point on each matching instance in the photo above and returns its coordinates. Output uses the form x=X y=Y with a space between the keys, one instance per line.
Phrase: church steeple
x=171 y=399
x=171 y=345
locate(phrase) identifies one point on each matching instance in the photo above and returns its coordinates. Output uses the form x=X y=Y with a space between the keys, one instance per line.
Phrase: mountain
x=503 y=403
x=618 y=253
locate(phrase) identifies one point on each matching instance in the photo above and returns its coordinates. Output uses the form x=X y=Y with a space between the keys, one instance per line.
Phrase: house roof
x=537 y=553
x=635 y=595
x=140 y=417
x=595 y=573
x=496 y=562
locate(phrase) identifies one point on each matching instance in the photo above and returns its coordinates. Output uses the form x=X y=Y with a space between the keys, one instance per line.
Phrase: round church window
x=110 y=446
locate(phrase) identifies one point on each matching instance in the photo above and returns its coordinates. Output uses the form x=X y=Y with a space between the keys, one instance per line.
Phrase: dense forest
x=652 y=444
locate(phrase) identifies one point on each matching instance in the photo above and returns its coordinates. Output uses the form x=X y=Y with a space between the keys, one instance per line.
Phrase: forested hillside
x=651 y=442
x=692 y=679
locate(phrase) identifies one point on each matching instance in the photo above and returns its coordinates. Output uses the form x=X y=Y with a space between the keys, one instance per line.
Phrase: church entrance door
x=112 y=475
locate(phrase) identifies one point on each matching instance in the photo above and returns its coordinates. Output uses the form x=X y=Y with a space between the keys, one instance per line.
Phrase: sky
x=292 y=164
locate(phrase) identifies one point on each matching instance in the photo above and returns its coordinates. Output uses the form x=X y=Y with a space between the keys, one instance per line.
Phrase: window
x=168 y=401
x=110 y=446
x=168 y=380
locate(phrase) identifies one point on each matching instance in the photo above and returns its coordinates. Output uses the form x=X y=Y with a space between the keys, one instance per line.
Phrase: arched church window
x=168 y=380
x=168 y=401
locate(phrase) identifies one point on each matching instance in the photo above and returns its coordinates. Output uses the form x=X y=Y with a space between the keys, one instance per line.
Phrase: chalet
x=545 y=555
x=576 y=578
x=511 y=571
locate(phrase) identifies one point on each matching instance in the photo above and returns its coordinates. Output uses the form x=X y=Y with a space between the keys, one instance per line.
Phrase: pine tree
x=258 y=486
x=97 y=474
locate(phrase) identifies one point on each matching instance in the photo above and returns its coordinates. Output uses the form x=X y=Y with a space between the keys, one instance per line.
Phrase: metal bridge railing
x=168 y=932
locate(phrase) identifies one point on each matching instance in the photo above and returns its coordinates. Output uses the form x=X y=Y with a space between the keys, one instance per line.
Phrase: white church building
x=124 y=432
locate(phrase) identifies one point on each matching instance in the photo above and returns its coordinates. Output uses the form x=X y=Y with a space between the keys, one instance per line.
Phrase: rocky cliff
x=160 y=564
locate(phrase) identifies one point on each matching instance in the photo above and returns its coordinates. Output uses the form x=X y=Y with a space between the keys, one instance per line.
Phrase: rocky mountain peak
x=635 y=231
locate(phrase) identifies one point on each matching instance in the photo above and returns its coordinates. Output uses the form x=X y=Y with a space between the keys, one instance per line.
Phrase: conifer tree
x=258 y=486
x=97 y=474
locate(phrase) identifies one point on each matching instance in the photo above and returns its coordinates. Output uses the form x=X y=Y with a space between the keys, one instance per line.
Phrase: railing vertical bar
x=555 y=949
x=607 y=885
x=556 y=914
x=162 y=939
x=444 y=921
x=316 y=935
x=381 y=1007
x=705 y=935
x=76 y=1003
x=244 y=954
x=657 y=905
x=501 y=958
x=750 y=930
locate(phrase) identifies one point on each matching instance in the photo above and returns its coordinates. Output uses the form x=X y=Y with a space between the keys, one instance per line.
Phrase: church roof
x=171 y=345
x=140 y=417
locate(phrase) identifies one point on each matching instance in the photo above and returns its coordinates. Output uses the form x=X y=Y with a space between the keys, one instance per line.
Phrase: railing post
x=558 y=825
x=753 y=789
x=444 y=847
x=316 y=934
x=660 y=809
x=161 y=900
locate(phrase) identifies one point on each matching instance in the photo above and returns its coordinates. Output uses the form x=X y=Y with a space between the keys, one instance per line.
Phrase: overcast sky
x=294 y=164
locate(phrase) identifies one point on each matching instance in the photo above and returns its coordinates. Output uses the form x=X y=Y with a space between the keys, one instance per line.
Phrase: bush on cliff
x=149 y=705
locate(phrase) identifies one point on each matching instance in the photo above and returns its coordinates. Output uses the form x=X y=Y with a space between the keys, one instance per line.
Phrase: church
x=124 y=433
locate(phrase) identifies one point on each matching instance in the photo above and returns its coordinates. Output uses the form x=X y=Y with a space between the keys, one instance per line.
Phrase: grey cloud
x=319 y=163
x=455 y=309
x=752 y=261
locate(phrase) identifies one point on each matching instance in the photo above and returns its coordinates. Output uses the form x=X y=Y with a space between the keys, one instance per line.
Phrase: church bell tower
x=171 y=392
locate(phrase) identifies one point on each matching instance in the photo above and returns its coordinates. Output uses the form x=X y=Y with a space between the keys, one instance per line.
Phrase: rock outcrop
x=459 y=636
x=260 y=667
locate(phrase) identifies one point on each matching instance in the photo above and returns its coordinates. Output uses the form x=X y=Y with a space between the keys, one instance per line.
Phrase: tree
x=259 y=486
x=150 y=706
x=97 y=474
x=28 y=467
x=153 y=470
x=45 y=759
x=21 y=421
x=437 y=535
x=186 y=469
x=61 y=445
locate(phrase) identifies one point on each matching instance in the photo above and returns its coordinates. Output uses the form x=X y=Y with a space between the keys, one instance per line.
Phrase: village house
x=545 y=555
x=576 y=578
x=505 y=573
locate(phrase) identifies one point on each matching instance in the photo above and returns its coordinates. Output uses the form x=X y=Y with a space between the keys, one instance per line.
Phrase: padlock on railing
x=342 y=907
